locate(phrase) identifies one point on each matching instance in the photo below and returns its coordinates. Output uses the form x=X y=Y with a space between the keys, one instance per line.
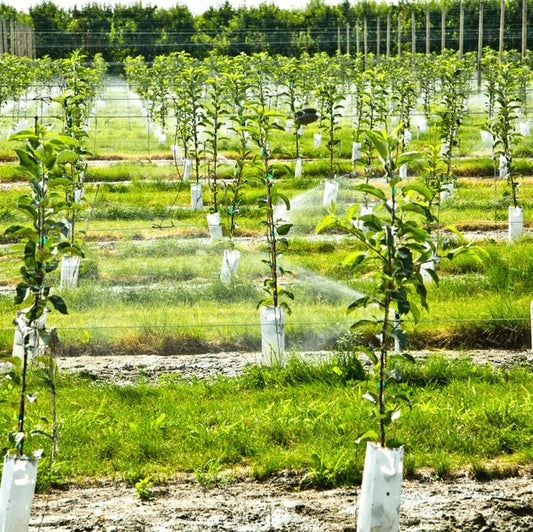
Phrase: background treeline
x=376 y=27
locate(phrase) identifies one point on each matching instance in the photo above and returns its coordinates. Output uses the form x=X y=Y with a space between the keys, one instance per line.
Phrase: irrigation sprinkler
x=306 y=116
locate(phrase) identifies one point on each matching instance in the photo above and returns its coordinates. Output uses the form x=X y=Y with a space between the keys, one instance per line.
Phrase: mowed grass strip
x=305 y=417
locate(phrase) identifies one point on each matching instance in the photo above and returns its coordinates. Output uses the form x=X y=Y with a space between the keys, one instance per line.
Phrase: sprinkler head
x=306 y=116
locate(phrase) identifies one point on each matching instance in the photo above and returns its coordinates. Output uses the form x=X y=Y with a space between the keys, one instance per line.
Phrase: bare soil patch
x=246 y=506
x=279 y=504
x=124 y=369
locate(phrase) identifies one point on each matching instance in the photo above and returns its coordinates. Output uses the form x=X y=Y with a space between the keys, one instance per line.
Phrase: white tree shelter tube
x=230 y=263
x=16 y=492
x=272 y=335
x=70 y=269
x=213 y=223
x=331 y=189
x=298 y=168
x=516 y=222
x=197 y=202
x=379 y=504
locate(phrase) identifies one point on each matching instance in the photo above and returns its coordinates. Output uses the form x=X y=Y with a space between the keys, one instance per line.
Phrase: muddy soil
x=279 y=504
x=245 y=506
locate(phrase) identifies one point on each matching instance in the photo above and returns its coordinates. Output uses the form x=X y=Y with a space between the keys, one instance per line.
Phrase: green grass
x=305 y=417
x=164 y=294
x=150 y=271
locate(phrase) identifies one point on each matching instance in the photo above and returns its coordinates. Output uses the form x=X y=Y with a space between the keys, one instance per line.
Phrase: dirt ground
x=428 y=504
x=498 y=506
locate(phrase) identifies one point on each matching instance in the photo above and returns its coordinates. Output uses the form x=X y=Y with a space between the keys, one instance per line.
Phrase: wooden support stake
x=378 y=38
x=428 y=35
x=480 y=44
x=442 y=29
x=502 y=24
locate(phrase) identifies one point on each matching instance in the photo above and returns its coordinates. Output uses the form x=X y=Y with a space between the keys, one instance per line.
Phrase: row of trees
x=208 y=99
x=130 y=30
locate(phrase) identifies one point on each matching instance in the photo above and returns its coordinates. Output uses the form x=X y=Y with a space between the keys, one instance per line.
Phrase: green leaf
x=277 y=196
x=58 y=304
x=371 y=396
x=29 y=211
x=41 y=433
x=420 y=189
x=354 y=260
x=283 y=229
x=367 y=436
x=21 y=293
x=23 y=134
x=67 y=156
x=370 y=354
x=27 y=162
x=404 y=398
x=401 y=335
x=407 y=157
x=415 y=208
x=16 y=361
x=327 y=222
x=415 y=312
x=378 y=140
x=408 y=357
x=359 y=302
x=372 y=190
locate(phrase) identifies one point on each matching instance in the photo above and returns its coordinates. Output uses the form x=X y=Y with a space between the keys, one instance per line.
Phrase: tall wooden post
x=480 y=44
x=524 y=29
x=461 y=28
x=347 y=39
x=378 y=38
x=365 y=40
x=338 y=40
x=12 y=36
x=4 y=35
x=502 y=24
x=428 y=34
x=399 y=52
x=442 y=28
x=357 y=47
x=388 y=36
x=413 y=37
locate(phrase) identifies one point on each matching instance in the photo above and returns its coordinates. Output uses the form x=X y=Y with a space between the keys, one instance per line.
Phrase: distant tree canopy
x=138 y=29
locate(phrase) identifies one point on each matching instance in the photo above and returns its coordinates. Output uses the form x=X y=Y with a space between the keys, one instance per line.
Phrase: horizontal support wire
x=256 y=324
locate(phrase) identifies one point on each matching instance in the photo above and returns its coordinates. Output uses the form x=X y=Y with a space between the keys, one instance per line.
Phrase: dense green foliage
x=149 y=31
